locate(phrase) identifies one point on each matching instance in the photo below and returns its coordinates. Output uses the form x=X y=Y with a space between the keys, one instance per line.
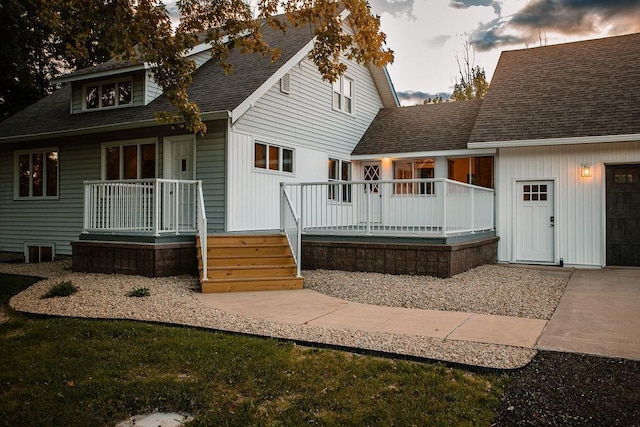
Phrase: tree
x=142 y=30
x=472 y=83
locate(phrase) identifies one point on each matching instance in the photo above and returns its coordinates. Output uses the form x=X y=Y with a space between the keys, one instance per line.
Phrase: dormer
x=119 y=84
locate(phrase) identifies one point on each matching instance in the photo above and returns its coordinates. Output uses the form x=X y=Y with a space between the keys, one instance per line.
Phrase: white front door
x=372 y=193
x=535 y=221
x=180 y=164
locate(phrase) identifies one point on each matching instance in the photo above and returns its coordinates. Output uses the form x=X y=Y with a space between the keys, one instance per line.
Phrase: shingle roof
x=212 y=90
x=588 y=88
x=433 y=127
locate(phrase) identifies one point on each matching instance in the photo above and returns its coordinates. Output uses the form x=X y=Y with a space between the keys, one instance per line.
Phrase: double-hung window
x=129 y=160
x=37 y=173
x=343 y=91
x=108 y=94
x=413 y=169
x=339 y=170
x=272 y=157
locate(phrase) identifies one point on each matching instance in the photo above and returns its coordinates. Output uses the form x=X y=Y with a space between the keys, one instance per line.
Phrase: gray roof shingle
x=588 y=88
x=433 y=127
x=212 y=90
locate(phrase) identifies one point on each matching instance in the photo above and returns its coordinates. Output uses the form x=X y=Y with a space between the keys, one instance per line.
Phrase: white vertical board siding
x=51 y=221
x=306 y=115
x=579 y=202
x=253 y=195
x=210 y=168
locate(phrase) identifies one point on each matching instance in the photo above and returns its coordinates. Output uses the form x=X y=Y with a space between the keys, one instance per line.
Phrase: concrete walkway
x=599 y=314
x=307 y=307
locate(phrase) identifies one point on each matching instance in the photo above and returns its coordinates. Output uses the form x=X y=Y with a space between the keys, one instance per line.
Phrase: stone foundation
x=439 y=260
x=143 y=259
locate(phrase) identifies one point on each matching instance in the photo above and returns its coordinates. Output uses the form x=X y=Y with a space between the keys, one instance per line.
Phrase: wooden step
x=250 y=285
x=231 y=261
x=252 y=271
x=248 y=251
x=246 y=240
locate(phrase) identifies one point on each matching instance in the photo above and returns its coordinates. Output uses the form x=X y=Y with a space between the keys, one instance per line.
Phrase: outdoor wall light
x=585 y=170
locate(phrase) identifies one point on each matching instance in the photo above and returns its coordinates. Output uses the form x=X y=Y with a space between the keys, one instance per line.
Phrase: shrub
x=62 y=289
x=139 y=292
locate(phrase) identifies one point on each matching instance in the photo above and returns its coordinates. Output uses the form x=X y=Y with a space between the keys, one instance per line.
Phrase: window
x=38 y=252
x=339 y=170
x=413 y=169
x=534 y=193
x=113 y=93
x=272 y=157
x=37 y=173
x=130 y=161
x=472 y=170
x=343 y=94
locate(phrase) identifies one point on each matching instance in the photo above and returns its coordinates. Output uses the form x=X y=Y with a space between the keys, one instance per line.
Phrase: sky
x=427 y=35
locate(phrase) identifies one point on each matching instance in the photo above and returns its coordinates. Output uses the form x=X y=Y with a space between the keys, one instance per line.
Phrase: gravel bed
x=172 y=300
x=489 y=289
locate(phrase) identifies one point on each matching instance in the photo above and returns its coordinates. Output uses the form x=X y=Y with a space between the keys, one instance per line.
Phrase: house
x=88 y=172
x=558 y=138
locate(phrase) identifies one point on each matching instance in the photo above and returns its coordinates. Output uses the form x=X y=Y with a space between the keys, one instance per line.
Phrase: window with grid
x=413 y=169
x=272 y=157
x=108 y=94
x=339 y=170
x=343 y=91
x=129 y=160
x=37 y=174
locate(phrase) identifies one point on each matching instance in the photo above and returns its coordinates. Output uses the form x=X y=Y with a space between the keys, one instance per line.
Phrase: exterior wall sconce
x=586 y=170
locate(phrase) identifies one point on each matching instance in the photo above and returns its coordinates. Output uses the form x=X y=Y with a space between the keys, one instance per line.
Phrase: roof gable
x=574 y=90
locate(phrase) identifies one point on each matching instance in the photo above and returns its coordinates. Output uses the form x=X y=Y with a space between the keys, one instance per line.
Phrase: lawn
x=60 y=371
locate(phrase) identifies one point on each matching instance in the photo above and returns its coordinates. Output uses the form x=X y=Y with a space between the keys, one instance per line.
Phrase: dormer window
x=108 y=94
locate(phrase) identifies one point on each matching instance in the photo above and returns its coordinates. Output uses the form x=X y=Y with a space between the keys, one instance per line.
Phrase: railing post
x=86 y=209
x=301 y=207
x=444 y=208
x=176 y=209
x=156 y=208
x=282 y=207
x=299 y=244
x=367 y=190
x=473 y=210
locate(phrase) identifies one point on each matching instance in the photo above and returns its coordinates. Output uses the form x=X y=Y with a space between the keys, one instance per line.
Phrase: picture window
x=411 y=170
x=130 y=161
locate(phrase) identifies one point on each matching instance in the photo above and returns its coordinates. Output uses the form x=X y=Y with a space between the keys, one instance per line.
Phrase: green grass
x=11 y=284
x=70 y=372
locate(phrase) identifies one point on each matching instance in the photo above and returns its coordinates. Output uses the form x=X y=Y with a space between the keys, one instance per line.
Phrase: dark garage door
x=623 y=215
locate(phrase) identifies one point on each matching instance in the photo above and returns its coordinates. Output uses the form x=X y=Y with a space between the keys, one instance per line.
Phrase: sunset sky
x=426 y=35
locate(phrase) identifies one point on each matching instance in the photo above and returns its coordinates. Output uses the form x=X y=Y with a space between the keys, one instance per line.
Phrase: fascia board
x=213 y=115
x=101 y=74
x=557 y=141
x=412 y=154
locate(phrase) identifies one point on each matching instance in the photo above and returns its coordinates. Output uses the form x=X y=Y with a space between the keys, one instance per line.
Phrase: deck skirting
x=143 y=259
x=439 y=260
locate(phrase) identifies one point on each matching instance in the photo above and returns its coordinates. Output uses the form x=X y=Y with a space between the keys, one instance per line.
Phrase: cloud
x=438 y=42
x=466 y=4
x=411 y=97
x=577 y=16
x=566 y=17
x=395 y=8
x=492 y=35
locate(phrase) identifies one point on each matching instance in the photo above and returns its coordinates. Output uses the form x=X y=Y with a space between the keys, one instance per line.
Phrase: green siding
x=210 y=168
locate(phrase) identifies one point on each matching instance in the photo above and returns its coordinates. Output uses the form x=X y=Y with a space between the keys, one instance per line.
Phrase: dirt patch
x=560 y=389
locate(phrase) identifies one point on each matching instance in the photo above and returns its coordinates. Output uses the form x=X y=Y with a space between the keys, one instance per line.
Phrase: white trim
x=557 y=141
x=211 y=115
x=440 y=153
x=102 y=74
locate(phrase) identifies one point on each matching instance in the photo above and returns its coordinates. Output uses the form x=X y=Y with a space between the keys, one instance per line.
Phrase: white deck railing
x=201 y=216
x=427 y=207
x=290 y=225
x=149 y=206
